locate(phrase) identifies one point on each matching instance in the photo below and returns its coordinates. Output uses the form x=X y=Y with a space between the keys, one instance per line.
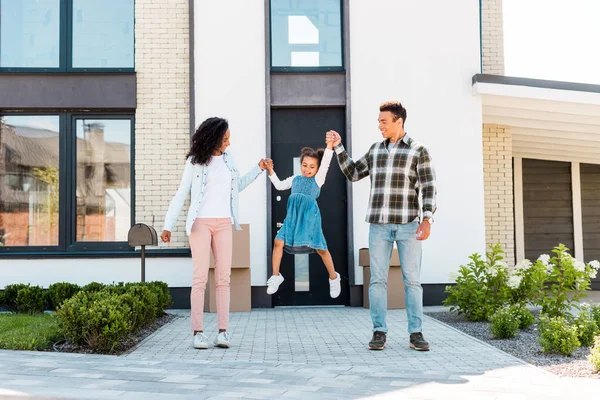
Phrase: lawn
x=28 y=332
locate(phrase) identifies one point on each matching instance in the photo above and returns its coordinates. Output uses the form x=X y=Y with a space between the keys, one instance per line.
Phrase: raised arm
x=354 y=170
x=322 y=172
x=280 y=185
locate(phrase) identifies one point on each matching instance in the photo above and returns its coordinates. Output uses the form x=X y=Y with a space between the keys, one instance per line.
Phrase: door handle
x=279 y=224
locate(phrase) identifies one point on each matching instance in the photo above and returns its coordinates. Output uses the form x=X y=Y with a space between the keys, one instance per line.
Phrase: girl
x=301 y=232
x=214 y=182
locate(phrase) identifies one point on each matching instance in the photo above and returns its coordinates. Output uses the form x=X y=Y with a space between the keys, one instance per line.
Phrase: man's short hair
x=395 y=107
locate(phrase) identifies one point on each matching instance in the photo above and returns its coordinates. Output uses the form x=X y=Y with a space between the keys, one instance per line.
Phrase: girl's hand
x=165 y=236
x=332 y=138
x=263 y=163
x=269 y=166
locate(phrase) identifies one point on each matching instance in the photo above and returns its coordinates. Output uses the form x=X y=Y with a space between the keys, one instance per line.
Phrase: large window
x=306 y=34
x=66 y=35
x=65 y=182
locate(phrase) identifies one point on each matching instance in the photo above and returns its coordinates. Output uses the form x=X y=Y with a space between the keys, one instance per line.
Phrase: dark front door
x=306 y=279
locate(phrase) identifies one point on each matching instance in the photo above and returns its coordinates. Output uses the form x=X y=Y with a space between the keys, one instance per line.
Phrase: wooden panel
x=547 y=206
x=590 y=195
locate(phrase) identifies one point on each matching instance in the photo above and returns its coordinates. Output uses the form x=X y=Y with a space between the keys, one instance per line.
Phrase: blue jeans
x=381 y=243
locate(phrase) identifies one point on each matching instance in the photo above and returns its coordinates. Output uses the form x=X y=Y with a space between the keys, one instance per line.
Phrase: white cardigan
x=194 y=180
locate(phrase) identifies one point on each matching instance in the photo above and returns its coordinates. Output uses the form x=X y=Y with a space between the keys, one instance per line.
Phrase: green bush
x=93 y=287
x=481 y=286
x=557 y=336
x=594 y=356
x=504 y=324
x=595 y=313
x=99 y=321
x=523 y=315
x=30 y=300
x=146 y=312
x=10 y=295
x=164 y=295
x=1 y=298
x=586 y=326
x=59 y=292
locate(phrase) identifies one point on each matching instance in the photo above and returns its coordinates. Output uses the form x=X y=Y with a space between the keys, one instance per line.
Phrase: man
x=400 y=169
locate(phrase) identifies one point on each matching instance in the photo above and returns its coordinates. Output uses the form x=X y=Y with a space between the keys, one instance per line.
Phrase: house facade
x=95 y=131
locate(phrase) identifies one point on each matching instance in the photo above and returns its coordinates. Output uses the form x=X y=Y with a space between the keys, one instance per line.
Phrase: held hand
x=333 y=137
x=269 y=165
x=423 y=231
x=165 y=236
x=263 y=163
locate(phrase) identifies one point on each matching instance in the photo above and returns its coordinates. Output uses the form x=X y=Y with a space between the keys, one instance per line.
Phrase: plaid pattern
x=398 y=176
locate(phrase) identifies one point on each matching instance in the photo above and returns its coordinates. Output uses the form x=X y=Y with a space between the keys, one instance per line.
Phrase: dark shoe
x=377 y=341
x=417 y=342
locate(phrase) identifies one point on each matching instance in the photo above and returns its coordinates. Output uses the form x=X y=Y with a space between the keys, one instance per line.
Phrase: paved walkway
x=303 y=353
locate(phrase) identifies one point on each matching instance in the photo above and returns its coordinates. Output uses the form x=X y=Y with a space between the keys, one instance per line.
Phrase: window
x=306 y=34
x=66 y=35
x=65 y=182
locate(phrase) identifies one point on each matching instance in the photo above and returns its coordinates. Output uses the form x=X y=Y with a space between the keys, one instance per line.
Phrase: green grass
x=28 y=332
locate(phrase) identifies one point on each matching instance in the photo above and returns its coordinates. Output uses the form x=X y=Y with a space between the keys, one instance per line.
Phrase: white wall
x=176 y=272
x=229 y=45
x=424 y=54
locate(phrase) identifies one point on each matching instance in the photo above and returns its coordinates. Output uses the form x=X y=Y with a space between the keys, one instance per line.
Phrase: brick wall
x=498 y=186
x=492 y=36
x=163 y=108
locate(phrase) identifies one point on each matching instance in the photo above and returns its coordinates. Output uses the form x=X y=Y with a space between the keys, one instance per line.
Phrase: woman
x=214 y=182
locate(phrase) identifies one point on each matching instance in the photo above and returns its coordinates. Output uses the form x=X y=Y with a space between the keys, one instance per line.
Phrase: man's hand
x=165 y=236
x=424 y=230
x=333 y=137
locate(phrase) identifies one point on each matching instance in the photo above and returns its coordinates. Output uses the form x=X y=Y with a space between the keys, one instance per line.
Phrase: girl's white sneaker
x=200 y=341
x=335 y=286
x=273 y=283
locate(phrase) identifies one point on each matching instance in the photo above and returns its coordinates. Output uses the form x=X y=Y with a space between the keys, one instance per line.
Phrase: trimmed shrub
x=164 y=295
x=10 y=295
x=557 y=336
x=586 y=327
x=59 y=292
x=523 y=315
x=594 y=356
x=97 y=320
x=30 y=300
x=504 y=324
x=93 y=287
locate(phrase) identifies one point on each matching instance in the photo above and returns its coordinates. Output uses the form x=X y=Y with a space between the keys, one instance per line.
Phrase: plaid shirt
x=398 y=176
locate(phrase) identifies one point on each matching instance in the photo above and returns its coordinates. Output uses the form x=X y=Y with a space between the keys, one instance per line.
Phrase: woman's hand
x=165 y=236
x=264 y=163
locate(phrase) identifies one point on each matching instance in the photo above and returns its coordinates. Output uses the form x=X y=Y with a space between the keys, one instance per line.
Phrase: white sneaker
x=222 y=339
x=335 y=287
x=273 y=283
x=200 y=341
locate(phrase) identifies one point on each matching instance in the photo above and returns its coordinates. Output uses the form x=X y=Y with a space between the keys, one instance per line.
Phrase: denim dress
x=301 y=231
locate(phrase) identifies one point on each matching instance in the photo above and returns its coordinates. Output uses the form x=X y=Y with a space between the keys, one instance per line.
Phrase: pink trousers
x=207 y=234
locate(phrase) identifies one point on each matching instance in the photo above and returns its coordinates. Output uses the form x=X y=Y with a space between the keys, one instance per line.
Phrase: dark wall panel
x=590 y=211
x=547 y=206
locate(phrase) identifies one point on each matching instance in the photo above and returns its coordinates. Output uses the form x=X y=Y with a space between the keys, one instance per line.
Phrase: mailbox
x=142 y=235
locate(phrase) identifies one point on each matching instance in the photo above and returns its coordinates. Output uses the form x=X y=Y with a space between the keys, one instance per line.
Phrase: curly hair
x=396 y=108
x=207 y=138
x=310 y=152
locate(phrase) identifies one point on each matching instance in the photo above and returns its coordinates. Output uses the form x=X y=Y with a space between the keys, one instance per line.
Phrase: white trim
x=577 y=213
x=519 y=218
x=534 y=93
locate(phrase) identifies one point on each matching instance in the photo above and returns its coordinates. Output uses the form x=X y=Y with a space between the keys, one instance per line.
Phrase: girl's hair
x=207 y=138
x=310 y=152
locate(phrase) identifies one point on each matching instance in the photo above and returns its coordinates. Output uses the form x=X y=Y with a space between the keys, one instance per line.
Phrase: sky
x=552 y=39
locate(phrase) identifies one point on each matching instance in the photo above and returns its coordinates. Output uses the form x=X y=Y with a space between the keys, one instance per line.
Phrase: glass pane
x=103 y=180
x=306 y=33
x=29 y=180
x=103 y=33
x=29 y=33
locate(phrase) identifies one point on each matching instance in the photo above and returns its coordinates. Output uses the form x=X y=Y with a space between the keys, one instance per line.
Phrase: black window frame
x=66 y=49
x=341 y=68
x=67 y=181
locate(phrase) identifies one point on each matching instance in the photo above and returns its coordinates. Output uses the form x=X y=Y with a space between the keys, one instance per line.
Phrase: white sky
x=552 y=39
